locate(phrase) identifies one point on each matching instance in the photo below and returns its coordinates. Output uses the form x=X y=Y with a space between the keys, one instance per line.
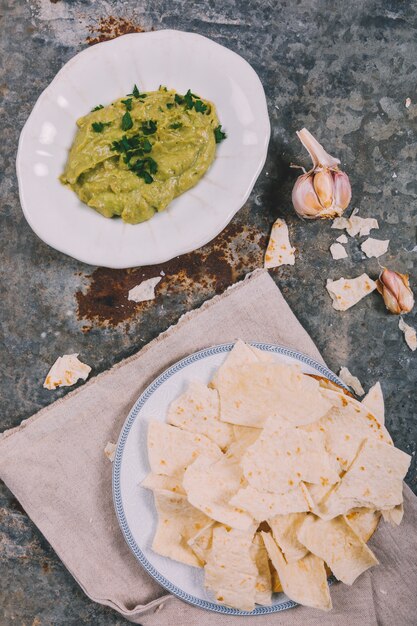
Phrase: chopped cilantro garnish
x=148 y=127
x=219 y=135
x=144 y=168
x=176 y=125
x=97 y=108
x=162 y=88
x=127 y=121
x=128 y=104
x=178 y=99
x=170 y=105
x=98 y=127
x=188 y=99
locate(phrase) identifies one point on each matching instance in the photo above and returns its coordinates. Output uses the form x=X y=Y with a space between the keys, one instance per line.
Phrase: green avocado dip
x=131 y=158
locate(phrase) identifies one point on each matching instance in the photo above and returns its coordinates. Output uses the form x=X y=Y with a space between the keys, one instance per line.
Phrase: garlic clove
x=304 y=198
x=323 y=186
x=395 y=290
x=318 y=154
x=342 y=190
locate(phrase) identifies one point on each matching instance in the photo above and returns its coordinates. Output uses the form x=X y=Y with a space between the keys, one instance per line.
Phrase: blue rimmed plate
x=134 y=505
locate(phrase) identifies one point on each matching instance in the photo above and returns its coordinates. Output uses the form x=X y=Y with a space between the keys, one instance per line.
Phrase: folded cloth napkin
x=55 y=465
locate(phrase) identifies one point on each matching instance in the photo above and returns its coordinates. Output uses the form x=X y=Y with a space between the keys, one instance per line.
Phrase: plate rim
x=86 y=257
x=116 y=470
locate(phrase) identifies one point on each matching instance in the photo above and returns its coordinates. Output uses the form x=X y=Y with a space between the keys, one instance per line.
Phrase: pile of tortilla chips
x=271 y=479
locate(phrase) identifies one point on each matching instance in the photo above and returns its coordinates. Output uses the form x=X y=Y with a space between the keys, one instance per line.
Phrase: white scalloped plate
x=134 y=505
x=101 y=74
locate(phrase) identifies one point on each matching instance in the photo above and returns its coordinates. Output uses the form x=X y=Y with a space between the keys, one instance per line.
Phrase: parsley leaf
x=136 y=93
x=188 y=99
x=97 y=108
x=176 y=125
x=170 y=105
x=128 y=104
x=98 y=127
x=178 y=99
x=200 y=107
x=127 y=121
x=219 y=135
x=148 y=127
x=144 y=168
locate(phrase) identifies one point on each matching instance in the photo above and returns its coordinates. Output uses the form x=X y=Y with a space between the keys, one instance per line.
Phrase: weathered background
x=344 y=70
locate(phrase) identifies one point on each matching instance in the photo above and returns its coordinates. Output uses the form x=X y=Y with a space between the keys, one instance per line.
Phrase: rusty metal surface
x=343 y=74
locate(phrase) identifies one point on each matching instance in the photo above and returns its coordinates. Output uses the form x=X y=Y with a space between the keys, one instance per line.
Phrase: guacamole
x=131 y=158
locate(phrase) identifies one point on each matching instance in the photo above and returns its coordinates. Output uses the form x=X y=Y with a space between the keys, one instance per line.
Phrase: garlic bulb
x=324 y=191
x=395 y=290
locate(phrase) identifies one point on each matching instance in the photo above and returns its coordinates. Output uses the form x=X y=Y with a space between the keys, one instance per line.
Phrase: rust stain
x=46 y=567
x=111 y=27
x=204 y=272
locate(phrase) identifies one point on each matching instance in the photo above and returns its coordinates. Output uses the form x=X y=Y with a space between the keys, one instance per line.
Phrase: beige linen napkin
x=55 y=466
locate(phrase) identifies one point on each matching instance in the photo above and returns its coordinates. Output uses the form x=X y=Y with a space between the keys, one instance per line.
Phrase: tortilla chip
x=303 y=581
x=145 y=290
x=346 y=292
x=110 y=450
x=279 y=460
x=201 y=543
x=178 y=521
x=374 y=401
x=66 y=371
x=356 y=225
x=263 y=586
x=252 y=393
x=262 y=505
x=342 y=239
x=279 y=250
x=244 y=437
x=161 y=483
x=284 y=530
x=364 y=522
x=374 y=480
x=346 y=426
x=338 y=545
x=410 y=335
x=230 y=571
x=171 y=450
x=394 y=515
x=351 y=381
x=198 y=411
x=338 y=251
x=210 y=485
x=240 y=354
x=375 y=247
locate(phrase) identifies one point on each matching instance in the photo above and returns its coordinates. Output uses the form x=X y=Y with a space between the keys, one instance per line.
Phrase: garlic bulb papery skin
x=395 y=290
x=324 y=192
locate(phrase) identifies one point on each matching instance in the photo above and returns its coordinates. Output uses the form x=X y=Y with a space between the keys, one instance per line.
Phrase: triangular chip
x=279 y=460
x=338 y=545
x=241 y=354
x=304 y=581
x=230 y=571
x=374 y=480
x=244 y=437
x=171 y=450
x=177 y=522
x=346 y=426
x=263 y=586
x=161 y=483
x=338 y=251
x=197 y=410
x=279 y=250
x=364 y=522
x=210 y=485
x=410 y=334
x=284 y=530
x=394 y=515
x=374 y=401
x=351 y=381
x=347 y=292
x=262 y=505
x=200 y=544
x=252 y=393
